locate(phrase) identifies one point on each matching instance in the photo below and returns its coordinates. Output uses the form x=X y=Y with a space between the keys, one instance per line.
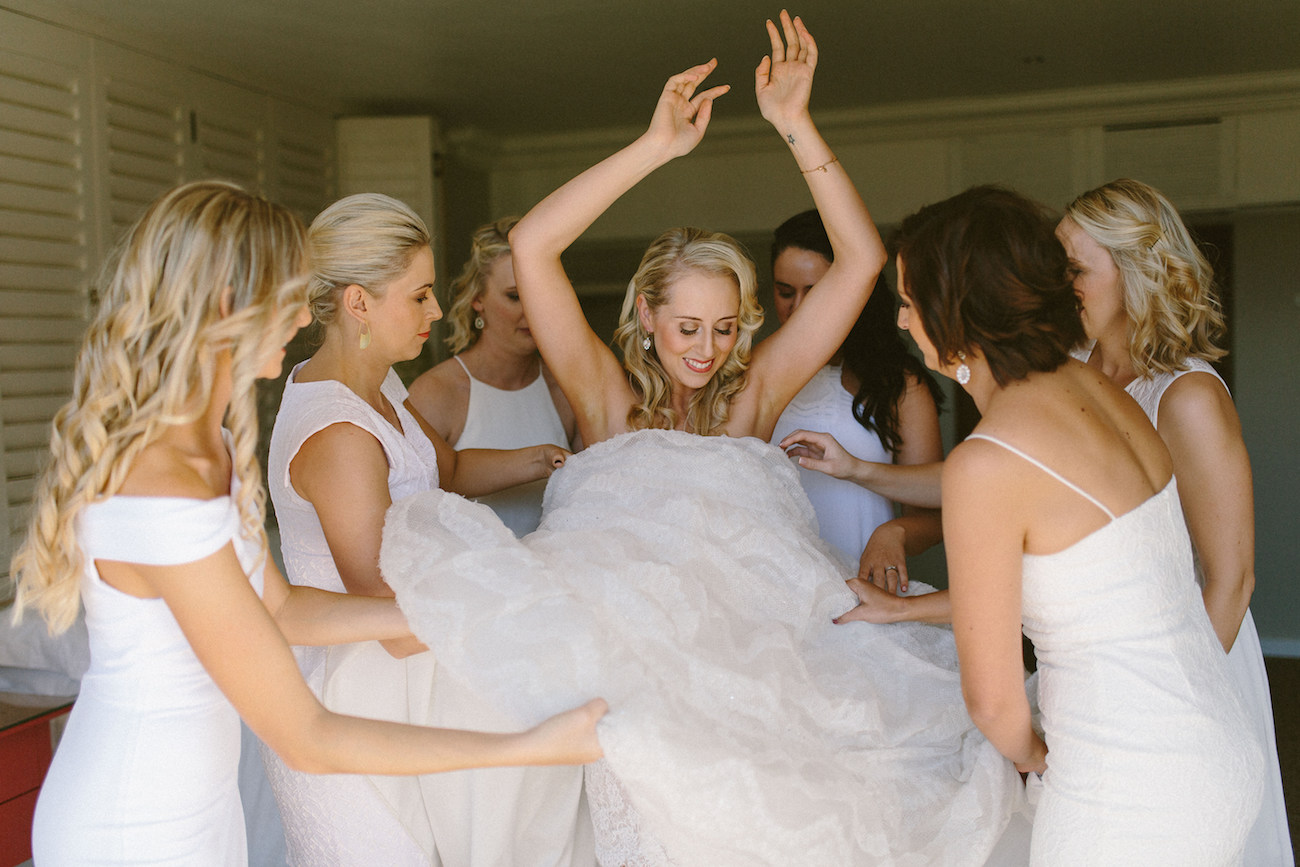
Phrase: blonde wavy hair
x=1168 y=286
x=367 y=239
x=146 y=365
x=673 y=254
x=490 y=243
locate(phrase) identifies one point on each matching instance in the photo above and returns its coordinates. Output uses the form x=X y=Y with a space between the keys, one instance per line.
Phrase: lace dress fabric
x=523 y=817
x=1150 y=756
x=146 y=769
x=343 y=819
x=681 y=578
x=1269 y=842
x=847 y=514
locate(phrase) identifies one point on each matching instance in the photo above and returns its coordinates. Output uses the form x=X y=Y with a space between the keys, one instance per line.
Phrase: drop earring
x=478 y=323
x=645 y=344
x=365 y=335
x=963 y=369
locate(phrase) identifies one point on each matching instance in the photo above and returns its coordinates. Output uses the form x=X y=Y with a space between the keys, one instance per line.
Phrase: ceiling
x=514 y=68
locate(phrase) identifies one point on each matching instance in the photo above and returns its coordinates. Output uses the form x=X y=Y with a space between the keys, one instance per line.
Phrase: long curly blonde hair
x=1168 y=286
x=490 y=243
x=146 y=365
x=672 y=254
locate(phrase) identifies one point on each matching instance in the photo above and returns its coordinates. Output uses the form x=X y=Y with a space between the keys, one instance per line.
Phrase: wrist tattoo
x=790 y=138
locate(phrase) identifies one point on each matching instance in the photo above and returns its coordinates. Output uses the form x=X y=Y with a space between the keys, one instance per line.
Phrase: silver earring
x=478 y=322
x=645 y=344
x=963 y=370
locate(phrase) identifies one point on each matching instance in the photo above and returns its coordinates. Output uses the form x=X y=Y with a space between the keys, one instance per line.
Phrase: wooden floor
x=1284 y=683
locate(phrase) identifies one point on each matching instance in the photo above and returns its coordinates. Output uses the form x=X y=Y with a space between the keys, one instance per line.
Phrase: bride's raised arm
x=588 y=372
x=784 y=362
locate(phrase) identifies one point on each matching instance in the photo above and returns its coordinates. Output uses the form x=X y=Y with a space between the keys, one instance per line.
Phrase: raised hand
x=682 y=115
x=783 y=80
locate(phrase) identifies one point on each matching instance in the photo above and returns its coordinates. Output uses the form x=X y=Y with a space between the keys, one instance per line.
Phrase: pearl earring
x=963 y=370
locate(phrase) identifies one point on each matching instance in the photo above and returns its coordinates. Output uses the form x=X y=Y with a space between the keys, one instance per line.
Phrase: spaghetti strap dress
x=1150 y=759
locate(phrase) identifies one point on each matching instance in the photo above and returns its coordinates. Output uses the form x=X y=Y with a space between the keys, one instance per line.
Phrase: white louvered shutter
x=47 y=245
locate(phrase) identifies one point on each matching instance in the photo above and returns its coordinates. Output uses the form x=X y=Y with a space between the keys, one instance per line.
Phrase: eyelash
x=723 y=331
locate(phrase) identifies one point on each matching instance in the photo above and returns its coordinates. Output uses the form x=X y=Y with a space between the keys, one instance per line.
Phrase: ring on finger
x=889 y=568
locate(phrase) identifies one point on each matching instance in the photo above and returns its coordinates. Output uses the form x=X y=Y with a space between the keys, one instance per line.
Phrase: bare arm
x=586 y=369
x=914 y=484
x=783 y=363
x=984 y=530
x=1200 y=427
x=343 y=472
x=238 y=643
x=475 y=472
x=918 y=528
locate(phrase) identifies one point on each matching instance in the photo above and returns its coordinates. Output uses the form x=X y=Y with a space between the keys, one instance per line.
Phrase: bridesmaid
x=495 y=392
x=346 y=444
x=1060 y=513
x=875 y=397
x=1149 y=310
x=150 y=513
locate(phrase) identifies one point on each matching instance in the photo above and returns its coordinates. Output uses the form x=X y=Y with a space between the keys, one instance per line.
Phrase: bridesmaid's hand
x=874 y=605
x=1037 y=763
x=884 y=560
x=682 y=115
x=550 y=458
x=783 y=80
x=568 y=738
x=821 y=452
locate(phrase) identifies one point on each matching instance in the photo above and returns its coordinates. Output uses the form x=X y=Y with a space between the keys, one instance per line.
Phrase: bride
x=681 y=575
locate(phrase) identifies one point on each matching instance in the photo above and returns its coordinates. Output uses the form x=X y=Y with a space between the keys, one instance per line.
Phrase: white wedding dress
x=681 y=578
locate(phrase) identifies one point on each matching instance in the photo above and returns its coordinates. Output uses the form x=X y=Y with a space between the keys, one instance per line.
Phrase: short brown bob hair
x=984 y=269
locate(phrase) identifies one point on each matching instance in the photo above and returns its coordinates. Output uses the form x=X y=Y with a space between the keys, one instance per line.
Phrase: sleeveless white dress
x=681 y=577
x=501 y=419
x=480 y=818
x=146 y=770
x=847 y=514
x=1151 y=758
x=1269 y=844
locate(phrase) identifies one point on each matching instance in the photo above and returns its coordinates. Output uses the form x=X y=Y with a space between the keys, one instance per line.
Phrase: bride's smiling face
x=696 y=328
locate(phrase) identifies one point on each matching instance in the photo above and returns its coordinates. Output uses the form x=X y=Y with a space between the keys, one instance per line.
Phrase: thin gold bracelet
x=821 y=168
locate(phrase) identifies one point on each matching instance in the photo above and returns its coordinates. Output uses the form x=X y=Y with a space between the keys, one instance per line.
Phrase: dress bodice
x=308 y=408
x=847 y=514
x=1151 y=756
x=146 y=770
x=500 y=419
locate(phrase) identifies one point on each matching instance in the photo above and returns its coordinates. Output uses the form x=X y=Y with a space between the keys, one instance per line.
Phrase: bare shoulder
x=341 y=443
x=441 y=382
x=1197 y=400
x=163 y=469
x=441 y=396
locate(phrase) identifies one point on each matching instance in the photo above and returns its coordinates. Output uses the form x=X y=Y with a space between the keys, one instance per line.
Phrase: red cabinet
x=29 y=730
